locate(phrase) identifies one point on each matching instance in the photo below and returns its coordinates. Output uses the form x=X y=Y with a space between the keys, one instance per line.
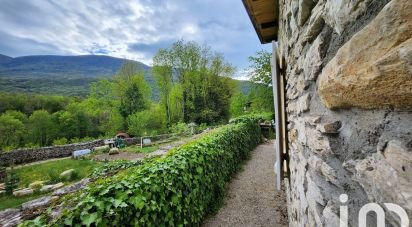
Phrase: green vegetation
x=178 y=190
x=11 y=182
x=138 y=149
x=193 y=83
x=260 y=99
x=50 y=171
x=7 y=201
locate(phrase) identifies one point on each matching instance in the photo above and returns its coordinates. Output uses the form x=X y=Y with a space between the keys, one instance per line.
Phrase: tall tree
x=201 y=75
x=42 y=128
x=260 y=68
x=260 y=73
x=132 y=89
x=11 y=132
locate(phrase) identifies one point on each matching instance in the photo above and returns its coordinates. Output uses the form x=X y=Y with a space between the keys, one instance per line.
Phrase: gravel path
x=252 y=198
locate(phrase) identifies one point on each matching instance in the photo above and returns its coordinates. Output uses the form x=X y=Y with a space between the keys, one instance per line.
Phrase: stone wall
x=348 y=70
x=27 y=155
x=22 y=156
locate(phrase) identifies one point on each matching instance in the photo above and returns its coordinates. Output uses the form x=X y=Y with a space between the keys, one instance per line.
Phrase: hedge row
x=178 y=190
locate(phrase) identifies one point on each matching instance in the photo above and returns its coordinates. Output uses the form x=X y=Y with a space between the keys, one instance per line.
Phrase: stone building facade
x=347 y=69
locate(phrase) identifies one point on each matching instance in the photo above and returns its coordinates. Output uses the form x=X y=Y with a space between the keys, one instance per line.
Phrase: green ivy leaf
x=89 y=219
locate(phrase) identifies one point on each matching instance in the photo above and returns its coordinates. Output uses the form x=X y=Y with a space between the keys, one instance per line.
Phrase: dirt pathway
x=252 y=198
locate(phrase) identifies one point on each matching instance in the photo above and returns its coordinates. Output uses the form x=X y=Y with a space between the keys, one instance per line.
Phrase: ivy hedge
x=177 y=190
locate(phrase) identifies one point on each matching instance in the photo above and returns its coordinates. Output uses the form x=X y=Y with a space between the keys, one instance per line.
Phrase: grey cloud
x=115 y=28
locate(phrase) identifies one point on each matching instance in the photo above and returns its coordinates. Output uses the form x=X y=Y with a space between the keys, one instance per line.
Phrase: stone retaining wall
x=348 y=73
x=22 y=156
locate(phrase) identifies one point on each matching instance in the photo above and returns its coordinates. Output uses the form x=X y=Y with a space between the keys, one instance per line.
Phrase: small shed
x=122 y=135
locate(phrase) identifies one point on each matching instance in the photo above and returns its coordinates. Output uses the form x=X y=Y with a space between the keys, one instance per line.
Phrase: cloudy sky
x=132 y=29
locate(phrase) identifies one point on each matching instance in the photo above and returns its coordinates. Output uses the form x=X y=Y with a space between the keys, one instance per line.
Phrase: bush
x=53 y=177
x=180 y=189
x=60 y=141
x=147 y=122
x=11 y=181
x=180 y=128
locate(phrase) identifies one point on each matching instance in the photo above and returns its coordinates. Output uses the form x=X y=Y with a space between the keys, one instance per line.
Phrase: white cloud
x=111 y=27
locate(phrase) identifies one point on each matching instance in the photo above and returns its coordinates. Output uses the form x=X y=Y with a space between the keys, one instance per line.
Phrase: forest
x=195 y=85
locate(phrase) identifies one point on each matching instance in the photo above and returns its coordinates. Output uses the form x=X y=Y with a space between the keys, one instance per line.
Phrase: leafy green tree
x=147 y=122
x=11 y=132
x=102 y=90
x=238 y=104
x=261 y=68
x=18 y=115
x=200 y=75
x=175 y=104
x=261 y=98
x=131 y=88
x=42 y=128
x=260 y=73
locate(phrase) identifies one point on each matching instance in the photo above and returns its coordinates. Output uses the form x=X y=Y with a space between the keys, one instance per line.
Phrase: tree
x=42 y=129
x=147 y=122
x=131 y=88
x=11 y=132
x=200 y=74
x=261 y=68
x=238 y=103
x=260 y=72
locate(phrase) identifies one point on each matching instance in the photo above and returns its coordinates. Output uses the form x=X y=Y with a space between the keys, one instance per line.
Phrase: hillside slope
x=66 y=75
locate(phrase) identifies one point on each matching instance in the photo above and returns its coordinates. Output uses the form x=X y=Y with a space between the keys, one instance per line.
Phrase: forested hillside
x=193 y=84
x=66 y=75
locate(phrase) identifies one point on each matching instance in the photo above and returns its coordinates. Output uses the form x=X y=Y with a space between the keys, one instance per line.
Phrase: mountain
x=66 y=75
x=51 y=65
x=63 y=75
x=4 y=59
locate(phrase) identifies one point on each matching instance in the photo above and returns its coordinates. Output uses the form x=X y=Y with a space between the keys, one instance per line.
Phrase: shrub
x=11 y=181
x=179 y=189
x=179 y=128
x=60 y=141
x=53 y=177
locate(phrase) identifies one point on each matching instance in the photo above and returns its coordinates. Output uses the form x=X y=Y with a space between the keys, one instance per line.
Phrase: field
x=48 y=172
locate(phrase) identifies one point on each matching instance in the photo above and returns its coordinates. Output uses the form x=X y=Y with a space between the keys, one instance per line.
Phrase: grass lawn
x=138 y=149
x=50 y=171
x=14 y=202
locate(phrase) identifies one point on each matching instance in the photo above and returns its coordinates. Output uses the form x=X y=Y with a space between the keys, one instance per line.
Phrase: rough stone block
x=114 y=151
x=313 y=59
x=36 y=185
x=305 y=7
x=68 y=174
x=330 y=127
x=23 y=192
x=72 y=188
x=385 y=176
x=312 y=120
x=315 y=24
x=10 y=217
x=338 y=14
x=374 y=68
x=32 y=208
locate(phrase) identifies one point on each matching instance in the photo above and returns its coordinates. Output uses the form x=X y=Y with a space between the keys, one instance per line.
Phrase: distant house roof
x=264 y=15
x=122 y=135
